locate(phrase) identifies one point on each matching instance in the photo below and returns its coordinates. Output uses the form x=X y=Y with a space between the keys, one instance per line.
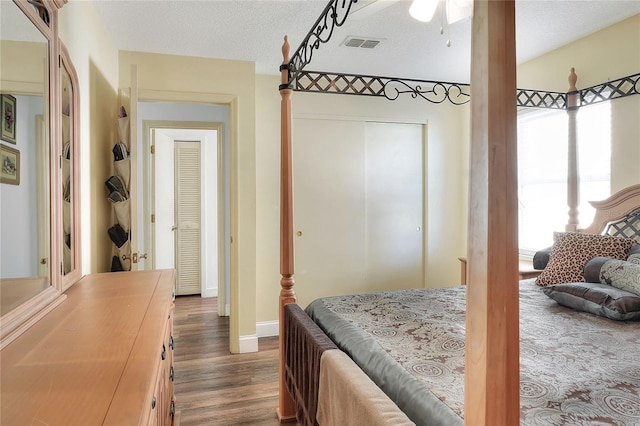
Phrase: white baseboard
x=248 y=344
x=268 y=328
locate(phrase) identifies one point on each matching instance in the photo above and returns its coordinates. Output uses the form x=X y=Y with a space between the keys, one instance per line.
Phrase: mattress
x=576 y=368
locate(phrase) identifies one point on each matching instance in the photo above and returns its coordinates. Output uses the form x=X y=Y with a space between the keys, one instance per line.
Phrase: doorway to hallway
x=186 y=204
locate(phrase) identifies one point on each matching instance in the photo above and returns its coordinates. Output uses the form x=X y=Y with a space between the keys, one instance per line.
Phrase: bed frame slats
x=305 y=343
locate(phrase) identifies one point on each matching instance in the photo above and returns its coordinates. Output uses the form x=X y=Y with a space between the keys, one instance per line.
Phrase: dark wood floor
x=213 y=386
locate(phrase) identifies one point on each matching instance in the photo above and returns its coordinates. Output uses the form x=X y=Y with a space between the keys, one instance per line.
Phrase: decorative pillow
x=572 y=250
x=592 y=269
x=634 y=254
x=598 y=299
x=541 y=258
x=617 y=273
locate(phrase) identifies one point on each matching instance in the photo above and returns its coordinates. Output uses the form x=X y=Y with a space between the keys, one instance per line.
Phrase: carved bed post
x=573 y=182
x=492 y=368
x=286 y=409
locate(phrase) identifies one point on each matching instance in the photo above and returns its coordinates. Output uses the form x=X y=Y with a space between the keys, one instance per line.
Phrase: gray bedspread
x=576 y=368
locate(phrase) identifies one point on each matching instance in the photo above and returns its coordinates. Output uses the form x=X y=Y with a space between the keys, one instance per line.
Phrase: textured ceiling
x=253 y=31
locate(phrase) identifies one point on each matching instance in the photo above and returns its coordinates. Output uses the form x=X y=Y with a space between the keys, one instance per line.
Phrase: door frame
x=149 y=128
x=228 y=298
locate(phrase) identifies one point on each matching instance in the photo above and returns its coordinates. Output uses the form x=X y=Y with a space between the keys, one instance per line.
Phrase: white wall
x=19 y=231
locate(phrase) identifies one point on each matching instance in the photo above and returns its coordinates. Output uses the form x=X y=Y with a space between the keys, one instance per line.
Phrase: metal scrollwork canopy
x=539 y=99
x=335 y=15
x=387 y=87
x=332 y=17
x=619 y=88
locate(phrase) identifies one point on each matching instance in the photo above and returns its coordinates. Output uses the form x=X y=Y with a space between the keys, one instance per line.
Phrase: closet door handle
x=163 y=355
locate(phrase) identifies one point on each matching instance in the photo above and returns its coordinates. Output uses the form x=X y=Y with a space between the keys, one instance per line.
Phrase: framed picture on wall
x=9 y=165
x=8 y=119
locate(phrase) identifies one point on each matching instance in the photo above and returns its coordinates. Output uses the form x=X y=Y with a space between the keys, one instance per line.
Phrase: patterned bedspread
x=576 y=368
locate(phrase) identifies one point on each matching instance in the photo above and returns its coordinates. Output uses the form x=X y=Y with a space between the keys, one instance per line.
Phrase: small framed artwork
x=9 y=165
x=8 y=119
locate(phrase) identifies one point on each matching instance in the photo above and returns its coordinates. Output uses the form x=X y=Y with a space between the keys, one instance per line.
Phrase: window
x=594 y=157
x=542 y=170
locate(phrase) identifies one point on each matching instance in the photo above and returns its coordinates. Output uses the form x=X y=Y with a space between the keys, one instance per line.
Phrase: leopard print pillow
x=572 y=250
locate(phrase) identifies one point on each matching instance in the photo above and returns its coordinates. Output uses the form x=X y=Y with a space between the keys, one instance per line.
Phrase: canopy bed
x=479 y=322
x=411 y=343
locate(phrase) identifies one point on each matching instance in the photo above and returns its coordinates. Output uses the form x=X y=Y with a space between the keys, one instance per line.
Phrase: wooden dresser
x=103 y=357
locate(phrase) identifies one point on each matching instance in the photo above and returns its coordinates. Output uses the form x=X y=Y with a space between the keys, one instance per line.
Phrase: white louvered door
x=187 y=217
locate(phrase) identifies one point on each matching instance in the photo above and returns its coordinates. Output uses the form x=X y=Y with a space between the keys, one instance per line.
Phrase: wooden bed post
x=492 y=326
x=573 y=182
x=286 y=409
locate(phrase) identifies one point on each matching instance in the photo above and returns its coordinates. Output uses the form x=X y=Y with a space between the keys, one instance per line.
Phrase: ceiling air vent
x=370 y=44
x=362 y=42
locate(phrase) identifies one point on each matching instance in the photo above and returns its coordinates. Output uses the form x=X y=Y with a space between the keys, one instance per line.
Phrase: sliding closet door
x=329 y=203
x=358 y=199
x=394 y=206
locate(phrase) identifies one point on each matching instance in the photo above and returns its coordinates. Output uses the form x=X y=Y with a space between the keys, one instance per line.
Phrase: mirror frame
x=74 y=274
x=18 y=320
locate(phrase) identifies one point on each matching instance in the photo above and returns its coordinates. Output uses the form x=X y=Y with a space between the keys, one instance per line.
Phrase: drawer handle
x=153 y=403
x=172 y=411
x=171 y=342
x=171 y=373
x=164 y=352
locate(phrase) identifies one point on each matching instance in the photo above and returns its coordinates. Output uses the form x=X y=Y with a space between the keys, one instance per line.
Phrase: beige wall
x=609 y=54
x=95 y=58
x=447 y=155
x=267 y=197
x=190 y=79
x=27 y=75
x=625 y=142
